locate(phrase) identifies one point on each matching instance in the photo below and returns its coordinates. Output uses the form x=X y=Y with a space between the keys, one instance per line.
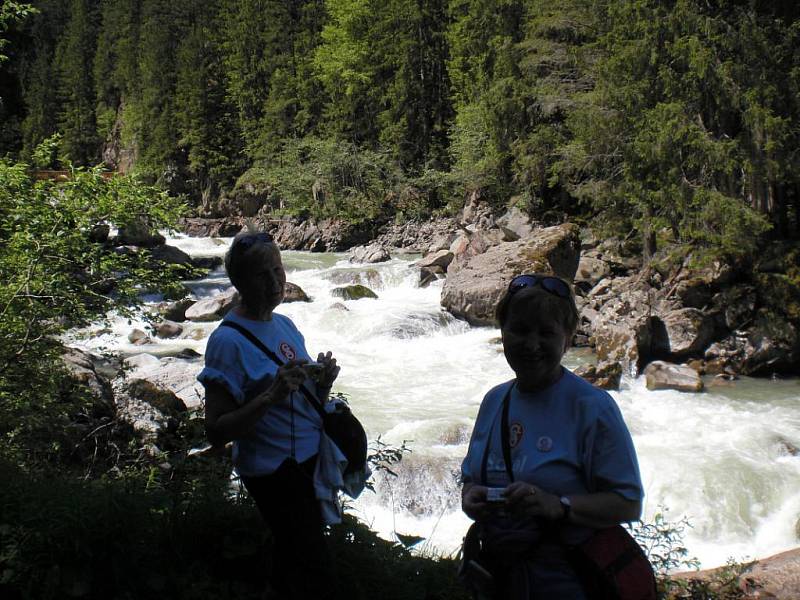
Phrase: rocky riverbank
x=688 y=317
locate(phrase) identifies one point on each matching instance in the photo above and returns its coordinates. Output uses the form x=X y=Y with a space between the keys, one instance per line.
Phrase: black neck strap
x=504 y=441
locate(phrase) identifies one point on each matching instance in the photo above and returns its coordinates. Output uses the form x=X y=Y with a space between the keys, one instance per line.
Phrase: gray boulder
x=294 y=293
x=591 y=271
x=515 y=224
x=168 y=329
x=374 y=253
x=441 y=259
x=472 y=290
x=689 y=330
x=213 y=309
x=666 y=376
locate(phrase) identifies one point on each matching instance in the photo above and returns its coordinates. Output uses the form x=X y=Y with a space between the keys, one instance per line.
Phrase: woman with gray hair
x=252 y=400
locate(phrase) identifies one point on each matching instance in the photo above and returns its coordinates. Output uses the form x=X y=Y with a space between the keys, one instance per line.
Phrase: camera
x=495 y=494
x=313 y=370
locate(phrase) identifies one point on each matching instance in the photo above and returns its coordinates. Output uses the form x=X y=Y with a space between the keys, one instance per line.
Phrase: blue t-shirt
x=567 y=439
x=244 y=370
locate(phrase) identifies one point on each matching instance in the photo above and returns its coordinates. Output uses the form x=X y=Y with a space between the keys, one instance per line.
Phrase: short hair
x=565 y=309
x=241 y=262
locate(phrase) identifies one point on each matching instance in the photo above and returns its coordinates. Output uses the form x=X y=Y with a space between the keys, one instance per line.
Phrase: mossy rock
x=353 y=292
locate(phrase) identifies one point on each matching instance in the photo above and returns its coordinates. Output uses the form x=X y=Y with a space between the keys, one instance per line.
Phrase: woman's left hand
x=530 y=500
x=330 y=371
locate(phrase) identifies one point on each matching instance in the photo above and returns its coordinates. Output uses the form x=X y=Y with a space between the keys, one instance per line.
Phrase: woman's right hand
x=473 y=501
x=288 y=379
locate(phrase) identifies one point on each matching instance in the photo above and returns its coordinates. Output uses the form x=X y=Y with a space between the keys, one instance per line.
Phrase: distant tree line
x=676 y=118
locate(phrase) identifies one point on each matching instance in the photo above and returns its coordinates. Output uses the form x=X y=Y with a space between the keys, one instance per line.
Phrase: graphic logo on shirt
x=515 y=434
x=287 y=351
x=544 y=444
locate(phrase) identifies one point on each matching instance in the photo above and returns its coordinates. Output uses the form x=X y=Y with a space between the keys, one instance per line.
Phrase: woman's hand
x=288 y=379
x=473 y=501
x=330 y=371
x=532 y=501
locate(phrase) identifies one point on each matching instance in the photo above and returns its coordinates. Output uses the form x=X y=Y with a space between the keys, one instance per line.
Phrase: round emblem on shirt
x=515 y=434
x=288 y=351
x=544 y=444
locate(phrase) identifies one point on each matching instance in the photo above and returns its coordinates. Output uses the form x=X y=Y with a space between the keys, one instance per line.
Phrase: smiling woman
x=550 y=460
x=254 y=402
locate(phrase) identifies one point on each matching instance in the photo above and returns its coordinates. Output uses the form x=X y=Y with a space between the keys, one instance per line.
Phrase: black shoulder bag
x=344 y=429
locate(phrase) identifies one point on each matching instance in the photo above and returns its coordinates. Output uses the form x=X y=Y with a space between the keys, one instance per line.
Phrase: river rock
x=773 y=346
x=168 y=329
x=176 y=311
x=82 y=371
x=138 y=233
x=171 y=373
x=212 y=228
x=441 y=259
x=353 y=292
x=368 y=277
x=171 y=255
x=374 y=253
x=294 y=293
x=428 y=275
x=603 y=375
x=689 y=330
x=139 y=337
x=591 y=271
x=776 y=578
x=515 y=224
x=214 y=308
x=472 y=291
x=666 y=376
x=161 y=399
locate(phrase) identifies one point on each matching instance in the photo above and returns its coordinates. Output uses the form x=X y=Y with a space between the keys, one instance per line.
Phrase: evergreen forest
x=637 y=115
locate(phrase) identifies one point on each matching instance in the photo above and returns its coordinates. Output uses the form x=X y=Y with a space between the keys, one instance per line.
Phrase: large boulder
x=473 y=290
x=176 y=311
x=214 y=308
x=666 y=376
x=164 y=400
x=690 y=331
x=515 y=224
x=168 y=329
x=773 y=346
x=373 y=253
x=441 y=258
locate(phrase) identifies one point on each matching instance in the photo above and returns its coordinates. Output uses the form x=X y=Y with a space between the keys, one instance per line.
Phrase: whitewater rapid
x=416 y=374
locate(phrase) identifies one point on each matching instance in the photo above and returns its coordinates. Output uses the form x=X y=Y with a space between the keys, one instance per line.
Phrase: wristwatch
x=566 y=504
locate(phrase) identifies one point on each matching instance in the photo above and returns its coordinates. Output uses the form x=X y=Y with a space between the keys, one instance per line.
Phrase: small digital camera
x=495 y=494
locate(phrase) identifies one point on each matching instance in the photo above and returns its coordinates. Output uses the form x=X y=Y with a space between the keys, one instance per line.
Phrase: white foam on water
x=415 y=374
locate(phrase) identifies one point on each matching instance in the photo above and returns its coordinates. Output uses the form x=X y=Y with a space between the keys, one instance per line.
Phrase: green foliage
x=55 y=274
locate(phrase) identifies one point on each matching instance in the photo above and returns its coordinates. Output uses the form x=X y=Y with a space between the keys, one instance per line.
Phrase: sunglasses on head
x=251 y=239
x=554 y=285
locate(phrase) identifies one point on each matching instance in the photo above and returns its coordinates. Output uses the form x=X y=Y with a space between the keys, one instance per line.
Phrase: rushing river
x=416 y=374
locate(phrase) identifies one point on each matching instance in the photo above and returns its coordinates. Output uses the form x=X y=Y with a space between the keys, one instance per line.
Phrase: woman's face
x=270 y=279
x=534 y=341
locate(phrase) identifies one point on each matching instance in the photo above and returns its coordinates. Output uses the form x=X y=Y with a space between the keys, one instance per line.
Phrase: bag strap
x=274 y=358
x=503 y=441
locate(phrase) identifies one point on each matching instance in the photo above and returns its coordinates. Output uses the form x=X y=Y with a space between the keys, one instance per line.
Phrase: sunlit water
x=416 y=374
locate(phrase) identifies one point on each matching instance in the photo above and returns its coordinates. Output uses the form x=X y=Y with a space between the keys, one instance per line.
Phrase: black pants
x=301 y=563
